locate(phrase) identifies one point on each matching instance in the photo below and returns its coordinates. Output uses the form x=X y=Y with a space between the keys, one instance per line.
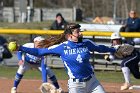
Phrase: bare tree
x=64 y=3
x=92 y=10
x=79 y=3
x=126 y=8
x=133 y=5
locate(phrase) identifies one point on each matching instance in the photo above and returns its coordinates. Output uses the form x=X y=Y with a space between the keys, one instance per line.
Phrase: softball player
x=75 y=53
x=130 y=59
x=27 y=61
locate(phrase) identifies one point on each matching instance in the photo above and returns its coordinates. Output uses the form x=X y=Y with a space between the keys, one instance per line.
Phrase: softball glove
x=124 y=50
x=49 y=88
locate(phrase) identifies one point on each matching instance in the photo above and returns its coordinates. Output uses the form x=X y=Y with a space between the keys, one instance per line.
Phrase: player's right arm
x=55 y=49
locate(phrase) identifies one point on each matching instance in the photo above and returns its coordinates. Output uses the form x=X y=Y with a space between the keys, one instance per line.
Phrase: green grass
x=112 y=76
x=9 y=72
x=103 y=76
x=109 y=76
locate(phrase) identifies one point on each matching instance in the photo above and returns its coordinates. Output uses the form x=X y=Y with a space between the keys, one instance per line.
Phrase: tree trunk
x=133 y=4
x=126 y=8
x=93 y=13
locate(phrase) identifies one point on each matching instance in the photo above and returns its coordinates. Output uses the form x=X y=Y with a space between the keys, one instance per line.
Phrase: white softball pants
x=26 y=66
x=91 y=86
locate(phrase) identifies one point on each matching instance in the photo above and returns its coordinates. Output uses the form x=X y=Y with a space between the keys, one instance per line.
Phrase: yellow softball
x=12 y=46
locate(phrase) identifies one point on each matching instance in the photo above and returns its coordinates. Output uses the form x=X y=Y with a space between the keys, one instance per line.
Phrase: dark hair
x=59 y=14
x=70 y=28
x=54 y=40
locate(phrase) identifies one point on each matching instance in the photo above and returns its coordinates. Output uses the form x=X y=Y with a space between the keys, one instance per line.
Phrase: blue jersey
x=32 y=59
x=74 y=55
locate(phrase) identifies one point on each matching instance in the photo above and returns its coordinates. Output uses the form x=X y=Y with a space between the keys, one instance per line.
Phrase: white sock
x=126 y=73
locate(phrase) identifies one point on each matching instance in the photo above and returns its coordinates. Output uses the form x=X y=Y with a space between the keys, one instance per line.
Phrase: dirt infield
x=32 y=86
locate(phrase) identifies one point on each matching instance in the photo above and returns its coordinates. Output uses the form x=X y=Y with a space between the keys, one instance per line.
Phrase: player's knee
x=21 y=70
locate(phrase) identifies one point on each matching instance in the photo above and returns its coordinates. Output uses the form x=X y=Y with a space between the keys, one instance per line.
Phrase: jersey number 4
x=79 y=58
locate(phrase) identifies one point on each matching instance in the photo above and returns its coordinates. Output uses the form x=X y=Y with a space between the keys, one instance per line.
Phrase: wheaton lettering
x=75 y=51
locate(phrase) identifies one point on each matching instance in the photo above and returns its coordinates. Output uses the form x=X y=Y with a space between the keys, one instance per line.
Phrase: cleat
x=13 y=90
x=125 y=86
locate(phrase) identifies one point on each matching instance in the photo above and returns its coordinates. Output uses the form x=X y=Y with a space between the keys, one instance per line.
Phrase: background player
x=4 y=51
x=130 y=59
x=27 y=61
x=75 y=53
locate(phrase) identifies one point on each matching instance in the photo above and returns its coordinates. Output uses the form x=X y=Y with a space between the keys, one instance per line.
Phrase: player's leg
x=76 y=87
x=52 y=77
x=19 y=74
x=133 y=65
x=126 y=73
x=98 y=89
x=134 y=69
x=94 y=86
x=18 y=77
x=90 y=86
x=127 y=65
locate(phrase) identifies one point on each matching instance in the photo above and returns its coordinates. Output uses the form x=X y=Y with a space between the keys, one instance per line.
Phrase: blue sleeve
x=19 y=55
x=44 y=71
x=99 y=48
x=55 y=49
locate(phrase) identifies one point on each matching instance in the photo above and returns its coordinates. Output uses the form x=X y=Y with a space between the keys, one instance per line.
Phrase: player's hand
x=106 y=57
x=116 y=47
x=12 y=46
x=21 y=62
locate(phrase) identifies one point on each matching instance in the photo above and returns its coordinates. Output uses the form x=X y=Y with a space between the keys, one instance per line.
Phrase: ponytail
x=54 y=40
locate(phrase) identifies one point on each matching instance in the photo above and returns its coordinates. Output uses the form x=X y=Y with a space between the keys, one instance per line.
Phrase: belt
x=82 y=79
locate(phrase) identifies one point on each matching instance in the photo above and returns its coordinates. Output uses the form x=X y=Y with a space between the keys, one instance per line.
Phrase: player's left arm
x=99 y=48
